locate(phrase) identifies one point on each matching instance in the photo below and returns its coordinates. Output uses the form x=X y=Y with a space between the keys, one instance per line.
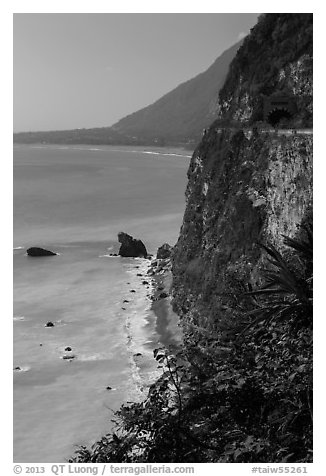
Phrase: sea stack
x=131 y=247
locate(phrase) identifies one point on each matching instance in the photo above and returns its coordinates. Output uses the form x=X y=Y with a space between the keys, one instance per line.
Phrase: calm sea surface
x=74 y=201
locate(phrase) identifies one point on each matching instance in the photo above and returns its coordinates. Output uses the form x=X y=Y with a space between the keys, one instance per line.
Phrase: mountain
x=182 y=114
x=178 y=117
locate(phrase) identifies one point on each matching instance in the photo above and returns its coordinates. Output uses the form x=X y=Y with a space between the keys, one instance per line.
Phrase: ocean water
x=74 y=201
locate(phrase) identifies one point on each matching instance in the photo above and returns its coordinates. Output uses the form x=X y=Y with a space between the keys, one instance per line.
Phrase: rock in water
x=164 y=251
x=131 y=247
x=34 y=251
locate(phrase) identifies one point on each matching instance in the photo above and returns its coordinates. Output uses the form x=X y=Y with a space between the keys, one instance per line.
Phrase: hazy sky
x=90 y=70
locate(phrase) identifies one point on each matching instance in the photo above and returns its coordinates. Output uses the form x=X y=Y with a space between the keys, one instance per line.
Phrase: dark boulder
x=163 y=295
x=49 y=324
x=131 y=247
x=34 y=251
x=164 y=251
x=108 y=387
x=68 y=349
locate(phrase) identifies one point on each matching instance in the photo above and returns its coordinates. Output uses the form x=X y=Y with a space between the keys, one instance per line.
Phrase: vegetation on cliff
x=276 y=58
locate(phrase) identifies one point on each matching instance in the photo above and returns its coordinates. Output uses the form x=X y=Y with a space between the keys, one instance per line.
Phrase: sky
x=83 y=70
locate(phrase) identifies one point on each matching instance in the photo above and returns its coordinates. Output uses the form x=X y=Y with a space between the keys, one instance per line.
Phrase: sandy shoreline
x=149 y=321
x=154 y=315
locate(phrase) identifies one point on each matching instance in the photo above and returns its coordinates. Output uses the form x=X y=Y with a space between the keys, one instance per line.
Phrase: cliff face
x=245 y=186
x=240 y=192
x=276 y=58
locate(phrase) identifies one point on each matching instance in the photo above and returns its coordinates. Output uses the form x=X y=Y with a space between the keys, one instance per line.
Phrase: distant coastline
x=104 y=136
x=165 y=151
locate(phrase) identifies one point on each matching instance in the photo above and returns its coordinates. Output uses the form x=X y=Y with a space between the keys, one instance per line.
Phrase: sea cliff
x=248 y=183
x=241 y=192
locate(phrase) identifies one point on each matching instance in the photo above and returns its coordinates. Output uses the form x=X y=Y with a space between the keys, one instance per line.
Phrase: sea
x=74 y=200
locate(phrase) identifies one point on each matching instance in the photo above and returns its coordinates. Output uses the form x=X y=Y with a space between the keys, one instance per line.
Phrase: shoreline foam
x=149 y=323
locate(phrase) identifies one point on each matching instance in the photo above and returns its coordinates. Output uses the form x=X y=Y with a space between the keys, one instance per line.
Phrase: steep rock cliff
x=246 y=186
x=276 y=58
x=241 y=192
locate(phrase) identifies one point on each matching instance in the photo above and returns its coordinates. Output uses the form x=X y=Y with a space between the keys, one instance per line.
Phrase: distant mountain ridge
x=176 y=118
x=182 y=113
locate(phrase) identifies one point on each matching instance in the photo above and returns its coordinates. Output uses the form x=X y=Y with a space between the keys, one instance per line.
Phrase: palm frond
x=293 y=286
x=301 y=245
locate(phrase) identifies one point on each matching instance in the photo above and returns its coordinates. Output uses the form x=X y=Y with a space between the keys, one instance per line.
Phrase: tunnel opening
x=278 y=116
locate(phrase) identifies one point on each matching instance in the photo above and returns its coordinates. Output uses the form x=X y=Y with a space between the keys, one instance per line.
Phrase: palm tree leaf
x=301 y=245
x=266 y=291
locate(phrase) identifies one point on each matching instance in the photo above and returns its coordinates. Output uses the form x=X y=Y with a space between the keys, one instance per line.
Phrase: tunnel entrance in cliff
x=279 y=108
x=278 y=116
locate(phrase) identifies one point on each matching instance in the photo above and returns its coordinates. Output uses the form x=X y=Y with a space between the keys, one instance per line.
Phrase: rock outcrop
x=131 y=247
x=164 y=251
x=35 y=251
